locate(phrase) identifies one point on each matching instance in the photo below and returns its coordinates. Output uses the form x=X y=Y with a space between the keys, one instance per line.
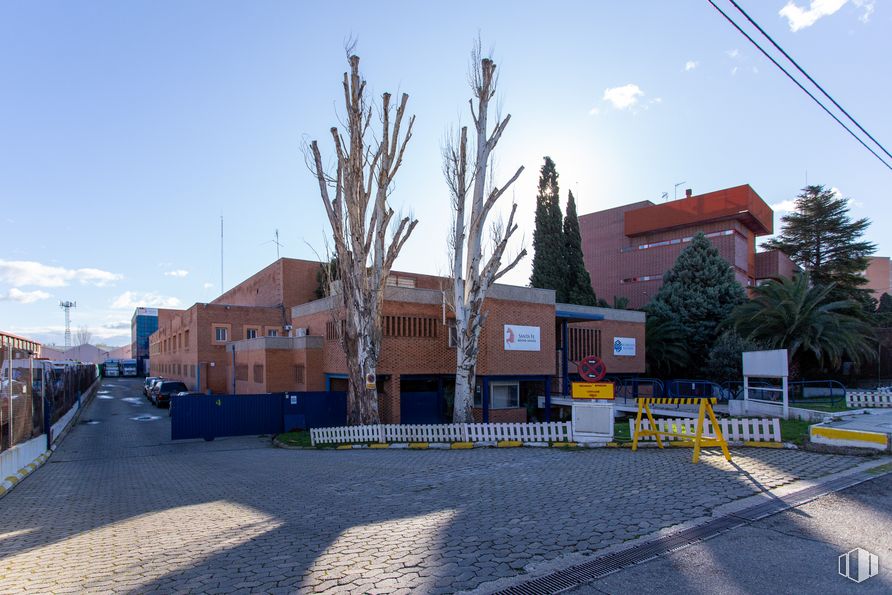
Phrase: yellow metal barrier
x=698 y=440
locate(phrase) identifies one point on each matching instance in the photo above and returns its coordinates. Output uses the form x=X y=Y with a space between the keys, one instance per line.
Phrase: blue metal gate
x=314 y=410
x=214 y=416
x=421 y=408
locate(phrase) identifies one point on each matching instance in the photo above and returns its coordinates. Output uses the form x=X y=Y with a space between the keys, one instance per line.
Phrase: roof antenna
x=665 y=196
x=276 y=242
x=676 y=189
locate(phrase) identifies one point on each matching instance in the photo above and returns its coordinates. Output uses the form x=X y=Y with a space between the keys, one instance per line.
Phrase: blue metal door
x=420 y=408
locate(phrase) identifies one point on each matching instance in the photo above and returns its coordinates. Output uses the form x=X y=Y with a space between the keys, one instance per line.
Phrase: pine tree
x=821 y=238
x=577 y=282
x=698 y=293
x=549 y=269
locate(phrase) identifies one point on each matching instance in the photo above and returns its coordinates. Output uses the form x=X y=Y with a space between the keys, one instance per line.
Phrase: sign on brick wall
x=624 y=346
x=521 y=338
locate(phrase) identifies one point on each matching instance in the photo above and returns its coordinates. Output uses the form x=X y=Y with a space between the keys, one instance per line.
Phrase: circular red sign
x=591 y=368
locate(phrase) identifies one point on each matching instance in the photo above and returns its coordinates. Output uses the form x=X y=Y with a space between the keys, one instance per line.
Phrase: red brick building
x=627 y=249
x=258 y=345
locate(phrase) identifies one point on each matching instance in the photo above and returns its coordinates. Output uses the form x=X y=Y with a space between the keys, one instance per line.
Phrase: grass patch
x=829 y=407
x=794 y=430
x=295 y=438
x=621 y=431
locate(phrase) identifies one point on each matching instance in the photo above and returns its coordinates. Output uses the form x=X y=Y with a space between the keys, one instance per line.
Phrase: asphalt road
x=793 y=552
x=121 y=508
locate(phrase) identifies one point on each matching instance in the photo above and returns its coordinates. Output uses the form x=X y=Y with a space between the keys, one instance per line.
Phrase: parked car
x=150 y=381
x=152 y=386
x=163 y=389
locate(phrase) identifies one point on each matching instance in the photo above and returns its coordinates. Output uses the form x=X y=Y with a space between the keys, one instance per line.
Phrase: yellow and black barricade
x=698 y=439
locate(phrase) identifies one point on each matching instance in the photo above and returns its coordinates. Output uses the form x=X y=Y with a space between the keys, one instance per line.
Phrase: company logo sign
x=859 y=565
x=147 y=311
x=624 y=346
x=521 y=338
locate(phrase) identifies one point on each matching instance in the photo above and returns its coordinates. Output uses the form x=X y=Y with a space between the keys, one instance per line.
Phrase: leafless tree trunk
x=82 y=336
x=472 y=273
x=360 y=216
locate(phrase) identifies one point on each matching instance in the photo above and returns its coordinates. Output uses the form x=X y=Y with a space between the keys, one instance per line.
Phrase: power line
x=798 y=84
x=808 y=76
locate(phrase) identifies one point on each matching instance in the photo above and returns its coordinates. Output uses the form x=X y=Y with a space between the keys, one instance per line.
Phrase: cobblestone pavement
x=120 y=508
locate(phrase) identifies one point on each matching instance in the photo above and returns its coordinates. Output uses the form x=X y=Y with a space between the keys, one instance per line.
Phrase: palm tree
x=666 y=348
x=792 y=314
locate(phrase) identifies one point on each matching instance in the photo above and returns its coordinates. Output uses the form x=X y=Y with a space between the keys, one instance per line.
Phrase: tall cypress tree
x=549 y=270
x=821 y=238
x=577 y=282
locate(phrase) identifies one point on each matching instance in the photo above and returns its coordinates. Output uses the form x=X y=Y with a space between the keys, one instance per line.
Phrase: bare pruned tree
x=472 y=273
x=82 y=336
x=355 y=197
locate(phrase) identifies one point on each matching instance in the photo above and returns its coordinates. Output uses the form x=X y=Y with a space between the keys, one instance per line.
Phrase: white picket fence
x=734 y=429
x=555 y=431
x=868 y=398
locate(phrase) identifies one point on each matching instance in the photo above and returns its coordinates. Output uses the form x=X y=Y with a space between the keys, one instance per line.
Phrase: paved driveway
x=120 y=508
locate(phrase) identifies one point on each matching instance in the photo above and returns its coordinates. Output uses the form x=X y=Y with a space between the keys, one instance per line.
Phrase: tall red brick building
x=627 y=249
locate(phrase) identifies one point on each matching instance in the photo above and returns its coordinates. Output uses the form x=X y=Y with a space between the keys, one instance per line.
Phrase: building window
x=271 y=332
x=299 y=372
x=258 y=373
x=331 y=331
x=220 y=334
x=504 y=395
x=583 y=342
x=410 y=326
x=399 y=281
x=251 y=332
x=452 y=341
x=241 y=372
x=186 y=340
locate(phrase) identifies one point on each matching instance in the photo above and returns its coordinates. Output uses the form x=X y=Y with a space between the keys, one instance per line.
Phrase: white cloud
x=734 y=70
x=623 y=97
x=691 y=65
x=733 y=54
x=23 y=297
x=868 y=6
x=592 y=112
x=132 y=299
x=785 y=206
x=27 y=272
x=177 y=273
x=211 y=285
x=801 y=18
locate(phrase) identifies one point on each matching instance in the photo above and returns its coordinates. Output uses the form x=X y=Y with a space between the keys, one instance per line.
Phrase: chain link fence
x=34 y=393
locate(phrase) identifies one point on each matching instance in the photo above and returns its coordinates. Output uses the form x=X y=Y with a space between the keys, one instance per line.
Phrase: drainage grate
x=600 y=567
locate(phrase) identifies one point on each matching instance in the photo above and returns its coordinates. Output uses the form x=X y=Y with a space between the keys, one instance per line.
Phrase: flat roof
x=740 y=203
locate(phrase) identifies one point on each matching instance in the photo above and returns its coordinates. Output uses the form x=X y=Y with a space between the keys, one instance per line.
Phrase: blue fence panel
x=303 y=411
x=212 y=416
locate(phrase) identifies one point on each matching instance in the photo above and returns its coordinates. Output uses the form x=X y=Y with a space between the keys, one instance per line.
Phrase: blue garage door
x=421 y=408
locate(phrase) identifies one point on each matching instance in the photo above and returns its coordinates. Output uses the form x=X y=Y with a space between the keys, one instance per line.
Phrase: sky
x=127 y=129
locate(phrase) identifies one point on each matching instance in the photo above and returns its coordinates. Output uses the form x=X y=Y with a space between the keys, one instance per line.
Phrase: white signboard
x=147 y=311
x=624 y=346
x=765 y=364
x=521 y=338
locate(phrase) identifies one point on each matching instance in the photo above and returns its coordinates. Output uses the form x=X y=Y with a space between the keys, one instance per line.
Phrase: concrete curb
x=13 y=480
x=516 y=444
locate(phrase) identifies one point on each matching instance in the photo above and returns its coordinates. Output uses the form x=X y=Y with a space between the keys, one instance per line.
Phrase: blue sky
x=128 y=128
